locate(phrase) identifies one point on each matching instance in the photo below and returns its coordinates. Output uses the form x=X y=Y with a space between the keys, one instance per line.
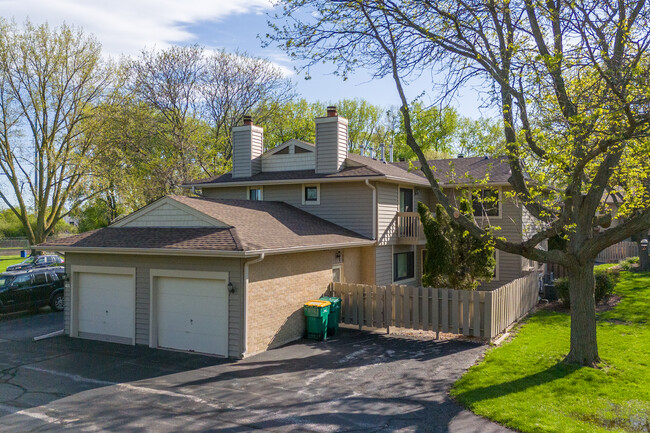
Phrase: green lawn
x=524 y=385
x=8 y=261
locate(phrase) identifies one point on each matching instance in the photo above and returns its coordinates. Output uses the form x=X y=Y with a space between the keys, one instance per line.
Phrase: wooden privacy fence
x=619 y=251
x=474 y=313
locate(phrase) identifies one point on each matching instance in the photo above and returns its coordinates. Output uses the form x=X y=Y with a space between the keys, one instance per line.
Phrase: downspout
x=374 y=209
x=245 y=288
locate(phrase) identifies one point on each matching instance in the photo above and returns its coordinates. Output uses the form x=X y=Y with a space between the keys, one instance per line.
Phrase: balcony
x=409 y=229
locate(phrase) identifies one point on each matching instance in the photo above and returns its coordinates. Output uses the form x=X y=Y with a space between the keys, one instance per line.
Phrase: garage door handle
x=107 y=312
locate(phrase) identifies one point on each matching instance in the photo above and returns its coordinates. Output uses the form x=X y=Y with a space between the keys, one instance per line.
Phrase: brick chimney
x=331 y=142
x=247 y=147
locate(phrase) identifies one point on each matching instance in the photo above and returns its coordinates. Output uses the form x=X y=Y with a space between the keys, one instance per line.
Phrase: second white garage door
x=192 y=314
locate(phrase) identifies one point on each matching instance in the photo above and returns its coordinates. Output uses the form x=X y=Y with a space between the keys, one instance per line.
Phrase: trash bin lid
x=317 y=303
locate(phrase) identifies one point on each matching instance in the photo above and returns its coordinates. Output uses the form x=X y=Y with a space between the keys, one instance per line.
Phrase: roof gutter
x=374 y=209
x=244 y=353
x=211 y=253
x=309 y=180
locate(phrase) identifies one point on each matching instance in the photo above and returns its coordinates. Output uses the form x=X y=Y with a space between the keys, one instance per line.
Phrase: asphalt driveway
x=355 y=382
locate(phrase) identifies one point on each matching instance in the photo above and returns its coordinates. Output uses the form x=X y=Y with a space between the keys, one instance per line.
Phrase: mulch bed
x=609 y=302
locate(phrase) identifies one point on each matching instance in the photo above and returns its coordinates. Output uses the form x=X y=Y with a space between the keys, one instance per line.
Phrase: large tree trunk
x=584 y=347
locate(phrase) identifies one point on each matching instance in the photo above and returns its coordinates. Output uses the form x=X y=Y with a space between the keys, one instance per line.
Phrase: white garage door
x=192 y=314
x=106 y=305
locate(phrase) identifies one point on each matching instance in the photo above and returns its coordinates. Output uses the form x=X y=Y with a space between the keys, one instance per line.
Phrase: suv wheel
x=57 y=302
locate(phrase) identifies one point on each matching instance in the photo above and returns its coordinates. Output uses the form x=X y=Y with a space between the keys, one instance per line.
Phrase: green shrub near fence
x=605 y=282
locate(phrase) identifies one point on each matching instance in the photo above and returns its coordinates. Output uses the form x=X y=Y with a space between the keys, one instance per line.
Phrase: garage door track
x=355 y=382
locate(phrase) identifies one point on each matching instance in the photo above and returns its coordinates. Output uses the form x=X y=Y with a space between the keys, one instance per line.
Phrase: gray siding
x=346 y=204
x=247 y=147
x=289 y=162
x=384 y=265
x=144 y=264
x=387 y=207
x=232 y=192
x=331 y=144
x=168 y=215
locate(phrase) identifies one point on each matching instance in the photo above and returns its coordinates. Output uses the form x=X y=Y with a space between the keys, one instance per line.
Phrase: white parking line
x=126 y=386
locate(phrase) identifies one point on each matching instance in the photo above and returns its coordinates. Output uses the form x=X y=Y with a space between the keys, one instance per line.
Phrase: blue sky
x=127 y=26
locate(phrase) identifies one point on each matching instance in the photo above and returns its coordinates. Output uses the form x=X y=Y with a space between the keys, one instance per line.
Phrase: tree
x=571 y=82
x=433 y=128
x=50 y=80
x=454 y=258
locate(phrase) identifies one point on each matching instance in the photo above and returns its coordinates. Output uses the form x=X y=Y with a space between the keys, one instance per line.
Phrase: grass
x=8 y=261
x=525 y=386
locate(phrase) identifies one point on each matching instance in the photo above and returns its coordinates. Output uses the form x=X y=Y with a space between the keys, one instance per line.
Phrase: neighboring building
x=227 y=273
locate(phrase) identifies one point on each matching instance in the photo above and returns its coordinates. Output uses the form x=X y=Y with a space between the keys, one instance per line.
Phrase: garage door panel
x=106 y=304
x=199 y=305
x=192 y=314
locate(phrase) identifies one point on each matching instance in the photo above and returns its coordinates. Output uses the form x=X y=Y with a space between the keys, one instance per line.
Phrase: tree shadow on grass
x=558 y=371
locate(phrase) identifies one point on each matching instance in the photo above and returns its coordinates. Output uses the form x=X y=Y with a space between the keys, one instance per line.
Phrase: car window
x=22 y=281
x=28 y=260
x=52 y=276
x=39 y=278
x=3 y=281
x=40 y=261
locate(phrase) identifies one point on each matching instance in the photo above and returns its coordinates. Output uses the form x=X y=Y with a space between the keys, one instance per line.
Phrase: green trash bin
x=316 y=314
x=334 y=316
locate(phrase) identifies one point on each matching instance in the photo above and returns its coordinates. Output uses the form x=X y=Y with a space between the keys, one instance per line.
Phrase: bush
x=604 y=286
x=562 y=290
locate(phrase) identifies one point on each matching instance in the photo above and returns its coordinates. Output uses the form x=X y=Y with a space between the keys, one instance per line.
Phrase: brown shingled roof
x=260 y=225
x=357 y=166
x=253 y=226
x=151 y=238
x=463 y=170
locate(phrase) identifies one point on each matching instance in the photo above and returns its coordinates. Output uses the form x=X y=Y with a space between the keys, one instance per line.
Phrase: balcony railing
x=409 y=228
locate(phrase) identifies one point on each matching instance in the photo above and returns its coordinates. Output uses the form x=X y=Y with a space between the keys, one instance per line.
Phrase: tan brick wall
x=280 y=285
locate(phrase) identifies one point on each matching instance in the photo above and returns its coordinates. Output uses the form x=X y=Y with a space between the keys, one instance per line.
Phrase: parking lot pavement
x=355 y=382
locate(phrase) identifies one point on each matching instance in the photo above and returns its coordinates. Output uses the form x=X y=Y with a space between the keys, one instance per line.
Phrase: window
x=311 y=194
x=52 y=277
x=486 y=203
x=255 y=193
x=403 y=266
x=39 y=278
x=302 y=150
x=22 y=281
x=41 y=260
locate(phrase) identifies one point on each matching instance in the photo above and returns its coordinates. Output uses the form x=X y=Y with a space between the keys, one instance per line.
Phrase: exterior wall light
x=231 y=287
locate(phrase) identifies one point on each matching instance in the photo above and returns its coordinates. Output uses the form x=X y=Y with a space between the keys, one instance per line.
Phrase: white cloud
x=127 y=26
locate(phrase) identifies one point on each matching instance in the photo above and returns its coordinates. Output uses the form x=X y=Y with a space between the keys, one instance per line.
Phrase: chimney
x=247 y=147
x=331 y=142
x=382 y=150
x=390 y=152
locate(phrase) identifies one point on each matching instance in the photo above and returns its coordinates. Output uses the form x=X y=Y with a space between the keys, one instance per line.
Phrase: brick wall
x=280 y=285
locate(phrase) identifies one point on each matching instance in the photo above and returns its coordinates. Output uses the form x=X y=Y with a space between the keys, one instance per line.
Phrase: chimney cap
x=248 y=120
x=331 y=111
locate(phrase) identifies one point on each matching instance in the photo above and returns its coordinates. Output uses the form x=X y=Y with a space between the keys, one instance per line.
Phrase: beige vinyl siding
x=247 y=147
x=289 y=162
x=144 y=264
x=346 y=204
x=331 y=144
x=387 y=207
x=384 y=265
x=167 y=215
x=230 y=193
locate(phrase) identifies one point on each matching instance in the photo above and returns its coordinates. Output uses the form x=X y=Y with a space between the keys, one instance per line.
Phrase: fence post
x=487 y=324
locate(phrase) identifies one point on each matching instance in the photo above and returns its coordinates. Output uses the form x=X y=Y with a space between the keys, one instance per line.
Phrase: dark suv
x=32 y=289
x=36 y=262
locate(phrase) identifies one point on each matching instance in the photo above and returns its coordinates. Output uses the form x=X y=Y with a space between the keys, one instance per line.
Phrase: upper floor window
x=311 y=194
x=486 y=202
x=255 y=193
x=406 y=200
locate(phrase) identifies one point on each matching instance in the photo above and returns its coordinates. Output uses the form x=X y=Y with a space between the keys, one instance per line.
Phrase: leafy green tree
x=454 y=258
x=571 y=83
x=434 y=128
x=50 y=82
